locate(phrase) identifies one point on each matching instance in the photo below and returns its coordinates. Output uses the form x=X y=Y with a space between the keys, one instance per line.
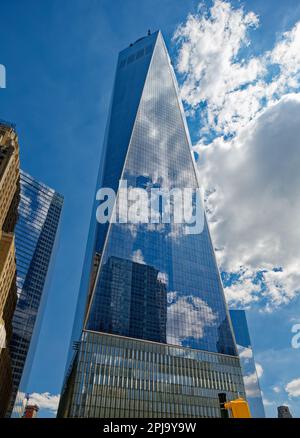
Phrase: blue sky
x=60 y=59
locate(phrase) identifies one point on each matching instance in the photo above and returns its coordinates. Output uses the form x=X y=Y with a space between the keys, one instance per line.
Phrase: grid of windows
x=123 y=377
x=39 y=214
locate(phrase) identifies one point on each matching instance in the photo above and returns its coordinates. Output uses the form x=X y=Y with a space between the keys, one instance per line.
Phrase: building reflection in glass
x=135 y=300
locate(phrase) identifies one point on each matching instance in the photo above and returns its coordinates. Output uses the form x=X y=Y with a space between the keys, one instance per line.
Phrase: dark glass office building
x=245 y=350
x=36 y=237
x=152 y=335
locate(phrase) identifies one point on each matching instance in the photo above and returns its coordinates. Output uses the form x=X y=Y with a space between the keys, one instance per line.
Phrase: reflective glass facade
x=151 y=282
x=158 y=155
x=36 y=230
x=253 y=392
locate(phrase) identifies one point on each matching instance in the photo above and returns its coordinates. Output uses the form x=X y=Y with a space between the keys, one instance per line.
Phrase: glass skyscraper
x=36 y=236
x=152 y=335
x=242 y=336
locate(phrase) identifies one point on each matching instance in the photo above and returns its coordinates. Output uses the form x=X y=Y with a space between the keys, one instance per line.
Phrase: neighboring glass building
x=36 y=236
x=251 y=381
x=152 y=335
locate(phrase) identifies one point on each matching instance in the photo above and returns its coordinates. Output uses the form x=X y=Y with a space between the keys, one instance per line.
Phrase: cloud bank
x=247 y=113
x=45 y=401
x=293 y=388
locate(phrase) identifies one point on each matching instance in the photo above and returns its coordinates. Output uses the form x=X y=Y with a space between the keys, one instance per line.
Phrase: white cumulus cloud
x=188 y=317
x=255 y=209
x=45 y=401
x=209 y=45
x=245 y=353
x=248 y=118
x=293 y=388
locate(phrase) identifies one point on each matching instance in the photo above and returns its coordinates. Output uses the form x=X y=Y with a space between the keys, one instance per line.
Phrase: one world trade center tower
x=152 y=335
